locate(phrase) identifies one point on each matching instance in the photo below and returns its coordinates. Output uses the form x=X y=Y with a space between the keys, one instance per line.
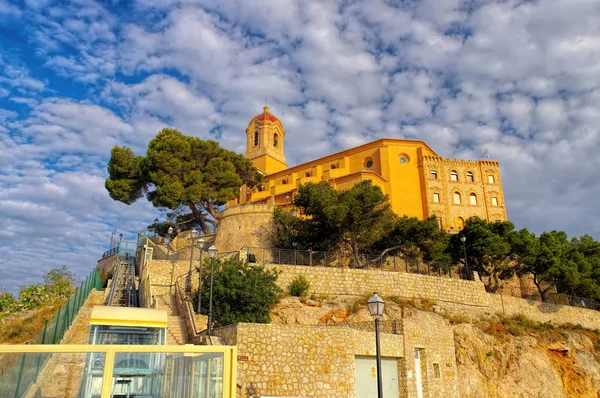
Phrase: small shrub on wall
x=299 y=286
x=242 y=292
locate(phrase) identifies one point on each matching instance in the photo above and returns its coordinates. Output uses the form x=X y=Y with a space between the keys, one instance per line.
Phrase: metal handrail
x=348 y=260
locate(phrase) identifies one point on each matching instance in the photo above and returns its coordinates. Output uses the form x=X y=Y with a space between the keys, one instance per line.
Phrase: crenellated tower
x=265 y=142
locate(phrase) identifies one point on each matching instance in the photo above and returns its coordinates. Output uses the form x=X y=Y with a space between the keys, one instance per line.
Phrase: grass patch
x=18 y=330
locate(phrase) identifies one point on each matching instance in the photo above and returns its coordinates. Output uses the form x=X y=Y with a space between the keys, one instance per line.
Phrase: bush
x=33 y=296
x=299 y=286
x=242 y=292
x=8 y=302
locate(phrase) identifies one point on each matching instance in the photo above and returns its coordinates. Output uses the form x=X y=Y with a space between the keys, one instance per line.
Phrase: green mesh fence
x=25 y=369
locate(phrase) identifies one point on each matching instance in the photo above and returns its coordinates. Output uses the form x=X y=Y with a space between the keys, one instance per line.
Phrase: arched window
x=453 y=175
x=333 y=167
x=255 y=139
x=275 y=139
x=283 y=182
x=491 y=179
x=472 y=199
x=307 y=174
x=433 y=175
x=456 y=198
x=460 y=223
x=470 y=177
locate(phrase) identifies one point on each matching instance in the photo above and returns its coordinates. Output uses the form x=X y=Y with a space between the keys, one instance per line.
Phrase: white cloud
x=521 y=79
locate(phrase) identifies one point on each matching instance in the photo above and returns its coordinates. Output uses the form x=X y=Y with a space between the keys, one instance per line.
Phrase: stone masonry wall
x=244 y=226
x=348 y=281
x=453 y=295
x=302 y=361
x=106 y=267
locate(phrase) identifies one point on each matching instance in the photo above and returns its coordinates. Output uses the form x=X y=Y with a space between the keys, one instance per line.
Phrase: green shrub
x=242 y=292
x=8 y=303
x=299 y=286
x=33 y=296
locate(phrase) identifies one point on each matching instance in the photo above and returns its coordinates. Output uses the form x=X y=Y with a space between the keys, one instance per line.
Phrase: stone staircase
x=177 y=333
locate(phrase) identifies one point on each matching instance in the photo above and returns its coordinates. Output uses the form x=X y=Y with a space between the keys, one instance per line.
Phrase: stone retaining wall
x=319 y=361
x=348 y=281
x=453 y=295
x=302 y=361
x=106 y=267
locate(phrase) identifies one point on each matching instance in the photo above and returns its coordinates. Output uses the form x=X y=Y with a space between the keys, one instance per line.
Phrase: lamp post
x=188 y=287
x=375 y=305
x=463 y=239
x=169 y=234
x=201 y=247
x=287 y=199
x=212 y=253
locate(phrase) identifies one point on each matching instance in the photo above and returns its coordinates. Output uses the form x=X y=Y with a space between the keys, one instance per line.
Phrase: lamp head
x=201 y=243
x=193 y=233
x=170 y=230
x=155 y=221
x=375 y=305
x=212 y=251
x=463 y=239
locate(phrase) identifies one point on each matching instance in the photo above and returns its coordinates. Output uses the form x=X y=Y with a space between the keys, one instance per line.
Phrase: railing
x=347 y=260
x=123 y=249
x=98 y=370
x=573 y=301
x=53 y=332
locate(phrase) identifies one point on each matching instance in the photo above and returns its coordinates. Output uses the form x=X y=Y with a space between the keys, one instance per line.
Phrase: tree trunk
x=354 y=245
x=200 y=218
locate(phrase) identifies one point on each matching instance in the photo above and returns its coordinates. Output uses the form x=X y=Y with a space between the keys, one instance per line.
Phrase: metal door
x=366 y=377
x=418 y=378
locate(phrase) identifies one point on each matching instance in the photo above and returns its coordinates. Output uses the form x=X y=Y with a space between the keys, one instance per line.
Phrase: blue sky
x=518 y=78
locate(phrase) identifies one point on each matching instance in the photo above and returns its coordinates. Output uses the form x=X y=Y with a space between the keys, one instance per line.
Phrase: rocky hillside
x=496 y=357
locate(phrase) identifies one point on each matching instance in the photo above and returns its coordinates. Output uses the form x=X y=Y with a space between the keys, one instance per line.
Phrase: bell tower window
x=256 y=138
x=275 y=139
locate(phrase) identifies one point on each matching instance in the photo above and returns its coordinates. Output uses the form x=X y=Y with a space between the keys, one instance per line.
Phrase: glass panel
x=101 y=334
x=51 y=375
x=168 y=375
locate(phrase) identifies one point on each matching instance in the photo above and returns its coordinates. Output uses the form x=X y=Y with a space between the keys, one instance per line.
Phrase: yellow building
x=419 y=183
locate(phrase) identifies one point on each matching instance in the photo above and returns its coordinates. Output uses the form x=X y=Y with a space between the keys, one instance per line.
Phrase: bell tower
x=264 y=142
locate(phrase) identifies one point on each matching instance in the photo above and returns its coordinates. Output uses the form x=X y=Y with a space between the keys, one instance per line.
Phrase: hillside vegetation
x=24 y=317
x=360 y=221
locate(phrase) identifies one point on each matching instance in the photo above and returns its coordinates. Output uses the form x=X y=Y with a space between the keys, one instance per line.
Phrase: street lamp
x=188 y=287
x=375 y=305
x=155 y=227
x=463 y=239
x=212 y=253
x=169 y=234
x=201 y=247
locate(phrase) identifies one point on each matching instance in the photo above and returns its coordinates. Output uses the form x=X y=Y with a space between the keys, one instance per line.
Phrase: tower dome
x=266 y=115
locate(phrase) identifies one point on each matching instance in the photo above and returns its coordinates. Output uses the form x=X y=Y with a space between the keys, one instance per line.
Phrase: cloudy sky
x=518 y=78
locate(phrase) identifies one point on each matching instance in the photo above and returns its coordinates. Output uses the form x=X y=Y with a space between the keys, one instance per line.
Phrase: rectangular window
x=490 y=179
x=494 y=201
x=436 y=198
x=440 y=222
x=436 y=371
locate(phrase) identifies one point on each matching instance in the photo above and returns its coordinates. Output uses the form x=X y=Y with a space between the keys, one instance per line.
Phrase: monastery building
x=418 y=181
